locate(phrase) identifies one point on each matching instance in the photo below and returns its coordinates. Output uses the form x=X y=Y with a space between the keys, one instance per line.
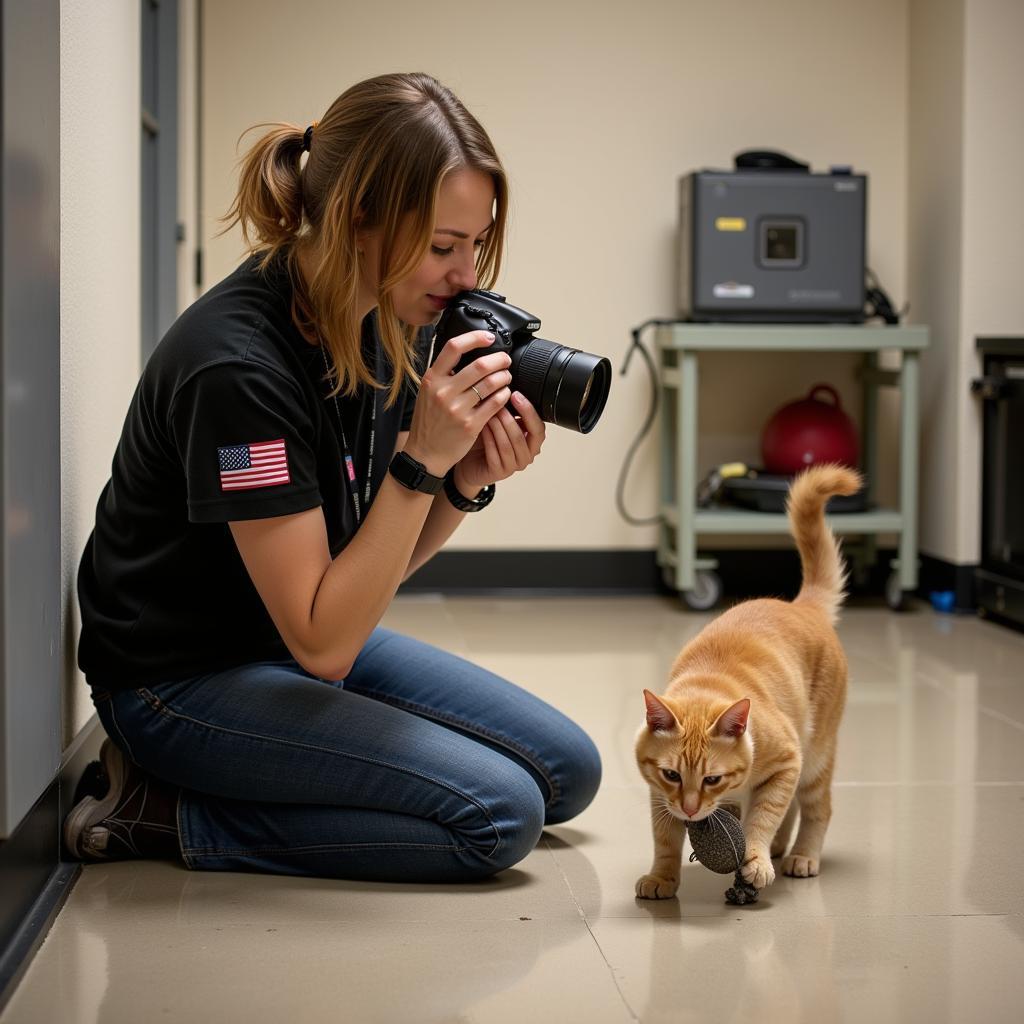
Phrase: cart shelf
x=679 y=345
x=881 y=520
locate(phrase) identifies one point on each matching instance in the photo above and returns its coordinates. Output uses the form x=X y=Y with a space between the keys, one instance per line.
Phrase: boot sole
x=89 y=811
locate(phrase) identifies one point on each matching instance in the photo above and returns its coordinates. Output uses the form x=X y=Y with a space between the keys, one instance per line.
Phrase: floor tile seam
x=640 y=786
x=880 y=691
x=379 y=920
x=631 y=787
x=982 y=708
x=788 y=917
x=577 y=914
x=381 y=924
x=924 y=783
x=593 y=938
x=1000 y=717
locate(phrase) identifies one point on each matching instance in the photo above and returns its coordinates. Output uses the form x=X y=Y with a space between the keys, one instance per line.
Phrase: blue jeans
x=419 y=767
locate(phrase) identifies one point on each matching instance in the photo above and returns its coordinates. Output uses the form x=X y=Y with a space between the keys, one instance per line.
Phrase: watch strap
x=460 y=501
x=413 y=474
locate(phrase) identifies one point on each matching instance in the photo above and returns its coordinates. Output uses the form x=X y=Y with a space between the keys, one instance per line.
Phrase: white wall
x=596 y=108
x=99 y=293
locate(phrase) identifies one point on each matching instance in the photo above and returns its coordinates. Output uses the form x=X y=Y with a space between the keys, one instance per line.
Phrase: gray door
x=30 y=582
x=159 y=228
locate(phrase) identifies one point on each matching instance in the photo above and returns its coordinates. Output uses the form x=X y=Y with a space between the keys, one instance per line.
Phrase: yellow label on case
x=731 y=224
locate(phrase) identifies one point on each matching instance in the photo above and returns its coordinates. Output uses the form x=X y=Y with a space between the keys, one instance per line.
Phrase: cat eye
x=712 y=780
x=671 y=775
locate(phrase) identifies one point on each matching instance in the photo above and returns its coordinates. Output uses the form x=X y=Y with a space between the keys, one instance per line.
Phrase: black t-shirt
x=230 y=420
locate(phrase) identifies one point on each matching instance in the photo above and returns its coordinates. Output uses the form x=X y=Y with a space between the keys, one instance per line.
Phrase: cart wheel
x=895 y=596
x=706 y=593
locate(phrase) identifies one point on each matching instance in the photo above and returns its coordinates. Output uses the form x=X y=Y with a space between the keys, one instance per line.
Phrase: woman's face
x=463 y=218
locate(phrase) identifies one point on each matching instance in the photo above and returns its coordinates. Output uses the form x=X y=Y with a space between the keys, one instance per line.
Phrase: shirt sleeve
x=246 y=442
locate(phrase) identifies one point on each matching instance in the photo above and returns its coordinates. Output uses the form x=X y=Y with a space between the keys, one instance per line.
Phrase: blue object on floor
x=943 y=600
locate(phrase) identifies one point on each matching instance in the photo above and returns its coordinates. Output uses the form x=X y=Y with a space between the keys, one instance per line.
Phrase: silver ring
x=479 y=397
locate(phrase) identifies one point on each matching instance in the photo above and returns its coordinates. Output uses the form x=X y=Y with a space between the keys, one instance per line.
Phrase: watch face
x=412 y=474
x=412 y=470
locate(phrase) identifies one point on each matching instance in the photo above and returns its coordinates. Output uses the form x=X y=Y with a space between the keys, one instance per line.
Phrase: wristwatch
x=460 y=501
x=412 y=474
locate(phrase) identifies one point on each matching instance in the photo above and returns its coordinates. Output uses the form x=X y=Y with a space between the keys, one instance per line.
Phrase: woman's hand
x=452 y=408
x=506 y=445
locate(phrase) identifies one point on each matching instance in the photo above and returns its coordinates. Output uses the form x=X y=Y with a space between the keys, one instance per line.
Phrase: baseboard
x=744 y=572
x=34 y=877
x=537 y=572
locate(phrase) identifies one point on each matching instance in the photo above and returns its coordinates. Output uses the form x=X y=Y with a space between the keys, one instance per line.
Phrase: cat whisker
x=664 y=814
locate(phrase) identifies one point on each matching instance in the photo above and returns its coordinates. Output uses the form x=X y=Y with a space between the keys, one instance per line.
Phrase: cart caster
x=706 y=593
x=895 y=596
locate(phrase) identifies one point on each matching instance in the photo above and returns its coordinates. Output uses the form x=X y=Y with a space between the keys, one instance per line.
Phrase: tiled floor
x=918 y=914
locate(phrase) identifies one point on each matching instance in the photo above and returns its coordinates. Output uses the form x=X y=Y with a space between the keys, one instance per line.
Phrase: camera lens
x=567 y=387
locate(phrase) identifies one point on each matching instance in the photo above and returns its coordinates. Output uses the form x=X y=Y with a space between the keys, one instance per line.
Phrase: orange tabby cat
x=751 y=712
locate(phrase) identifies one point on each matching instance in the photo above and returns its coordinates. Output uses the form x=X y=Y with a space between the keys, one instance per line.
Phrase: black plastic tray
x=767 y=492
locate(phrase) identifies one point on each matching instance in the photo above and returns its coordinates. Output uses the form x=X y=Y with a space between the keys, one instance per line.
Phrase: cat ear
x=659 y=717
x=733 y=721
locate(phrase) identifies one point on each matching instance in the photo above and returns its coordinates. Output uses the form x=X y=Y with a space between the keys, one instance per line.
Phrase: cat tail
x=824 y=575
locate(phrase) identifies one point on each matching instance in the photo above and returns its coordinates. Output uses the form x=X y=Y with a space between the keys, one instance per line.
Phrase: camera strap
x=349 y=462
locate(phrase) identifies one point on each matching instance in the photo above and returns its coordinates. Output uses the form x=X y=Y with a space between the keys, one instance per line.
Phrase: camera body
x=566 y=386
x=481 y=310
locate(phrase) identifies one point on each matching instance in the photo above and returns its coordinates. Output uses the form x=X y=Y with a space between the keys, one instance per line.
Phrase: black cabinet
x=1000 y=577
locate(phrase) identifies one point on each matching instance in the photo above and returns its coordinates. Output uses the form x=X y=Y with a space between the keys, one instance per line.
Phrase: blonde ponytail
x=268 y=204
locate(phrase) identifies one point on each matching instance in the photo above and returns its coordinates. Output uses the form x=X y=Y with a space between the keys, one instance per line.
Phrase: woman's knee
x=580 y=778
x=515 y=822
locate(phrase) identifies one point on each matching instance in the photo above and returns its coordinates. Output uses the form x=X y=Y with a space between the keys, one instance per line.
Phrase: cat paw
x=800 y=867
x=758 y=870
x=651 y=887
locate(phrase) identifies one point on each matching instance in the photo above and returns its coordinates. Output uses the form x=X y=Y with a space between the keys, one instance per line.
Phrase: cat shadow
x=701 y=897
x=722 y=962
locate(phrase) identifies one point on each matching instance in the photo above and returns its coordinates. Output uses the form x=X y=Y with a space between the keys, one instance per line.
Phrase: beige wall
x=993 y=224
x=596 y=109
x=966 y=219
x=188 y=147
x=935 y=215
x=616 y=104
x=99 y=289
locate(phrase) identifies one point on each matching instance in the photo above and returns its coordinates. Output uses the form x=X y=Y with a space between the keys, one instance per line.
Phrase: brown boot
x=138 y=816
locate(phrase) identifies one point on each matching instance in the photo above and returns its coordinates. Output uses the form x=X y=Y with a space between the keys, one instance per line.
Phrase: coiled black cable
x=637 y=346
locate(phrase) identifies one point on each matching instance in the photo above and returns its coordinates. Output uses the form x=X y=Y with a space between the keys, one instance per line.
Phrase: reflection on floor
x=918 y=914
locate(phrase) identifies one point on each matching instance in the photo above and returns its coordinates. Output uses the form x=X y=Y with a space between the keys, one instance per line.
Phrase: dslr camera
x=566 y=386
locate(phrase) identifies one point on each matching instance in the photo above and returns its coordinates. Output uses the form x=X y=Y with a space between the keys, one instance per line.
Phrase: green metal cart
x=679 y=345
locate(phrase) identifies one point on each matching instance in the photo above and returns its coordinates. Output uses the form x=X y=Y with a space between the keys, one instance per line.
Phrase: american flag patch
x=261 y=464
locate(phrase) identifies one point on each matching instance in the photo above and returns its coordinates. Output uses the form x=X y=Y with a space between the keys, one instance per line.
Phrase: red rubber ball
x=808 y=432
